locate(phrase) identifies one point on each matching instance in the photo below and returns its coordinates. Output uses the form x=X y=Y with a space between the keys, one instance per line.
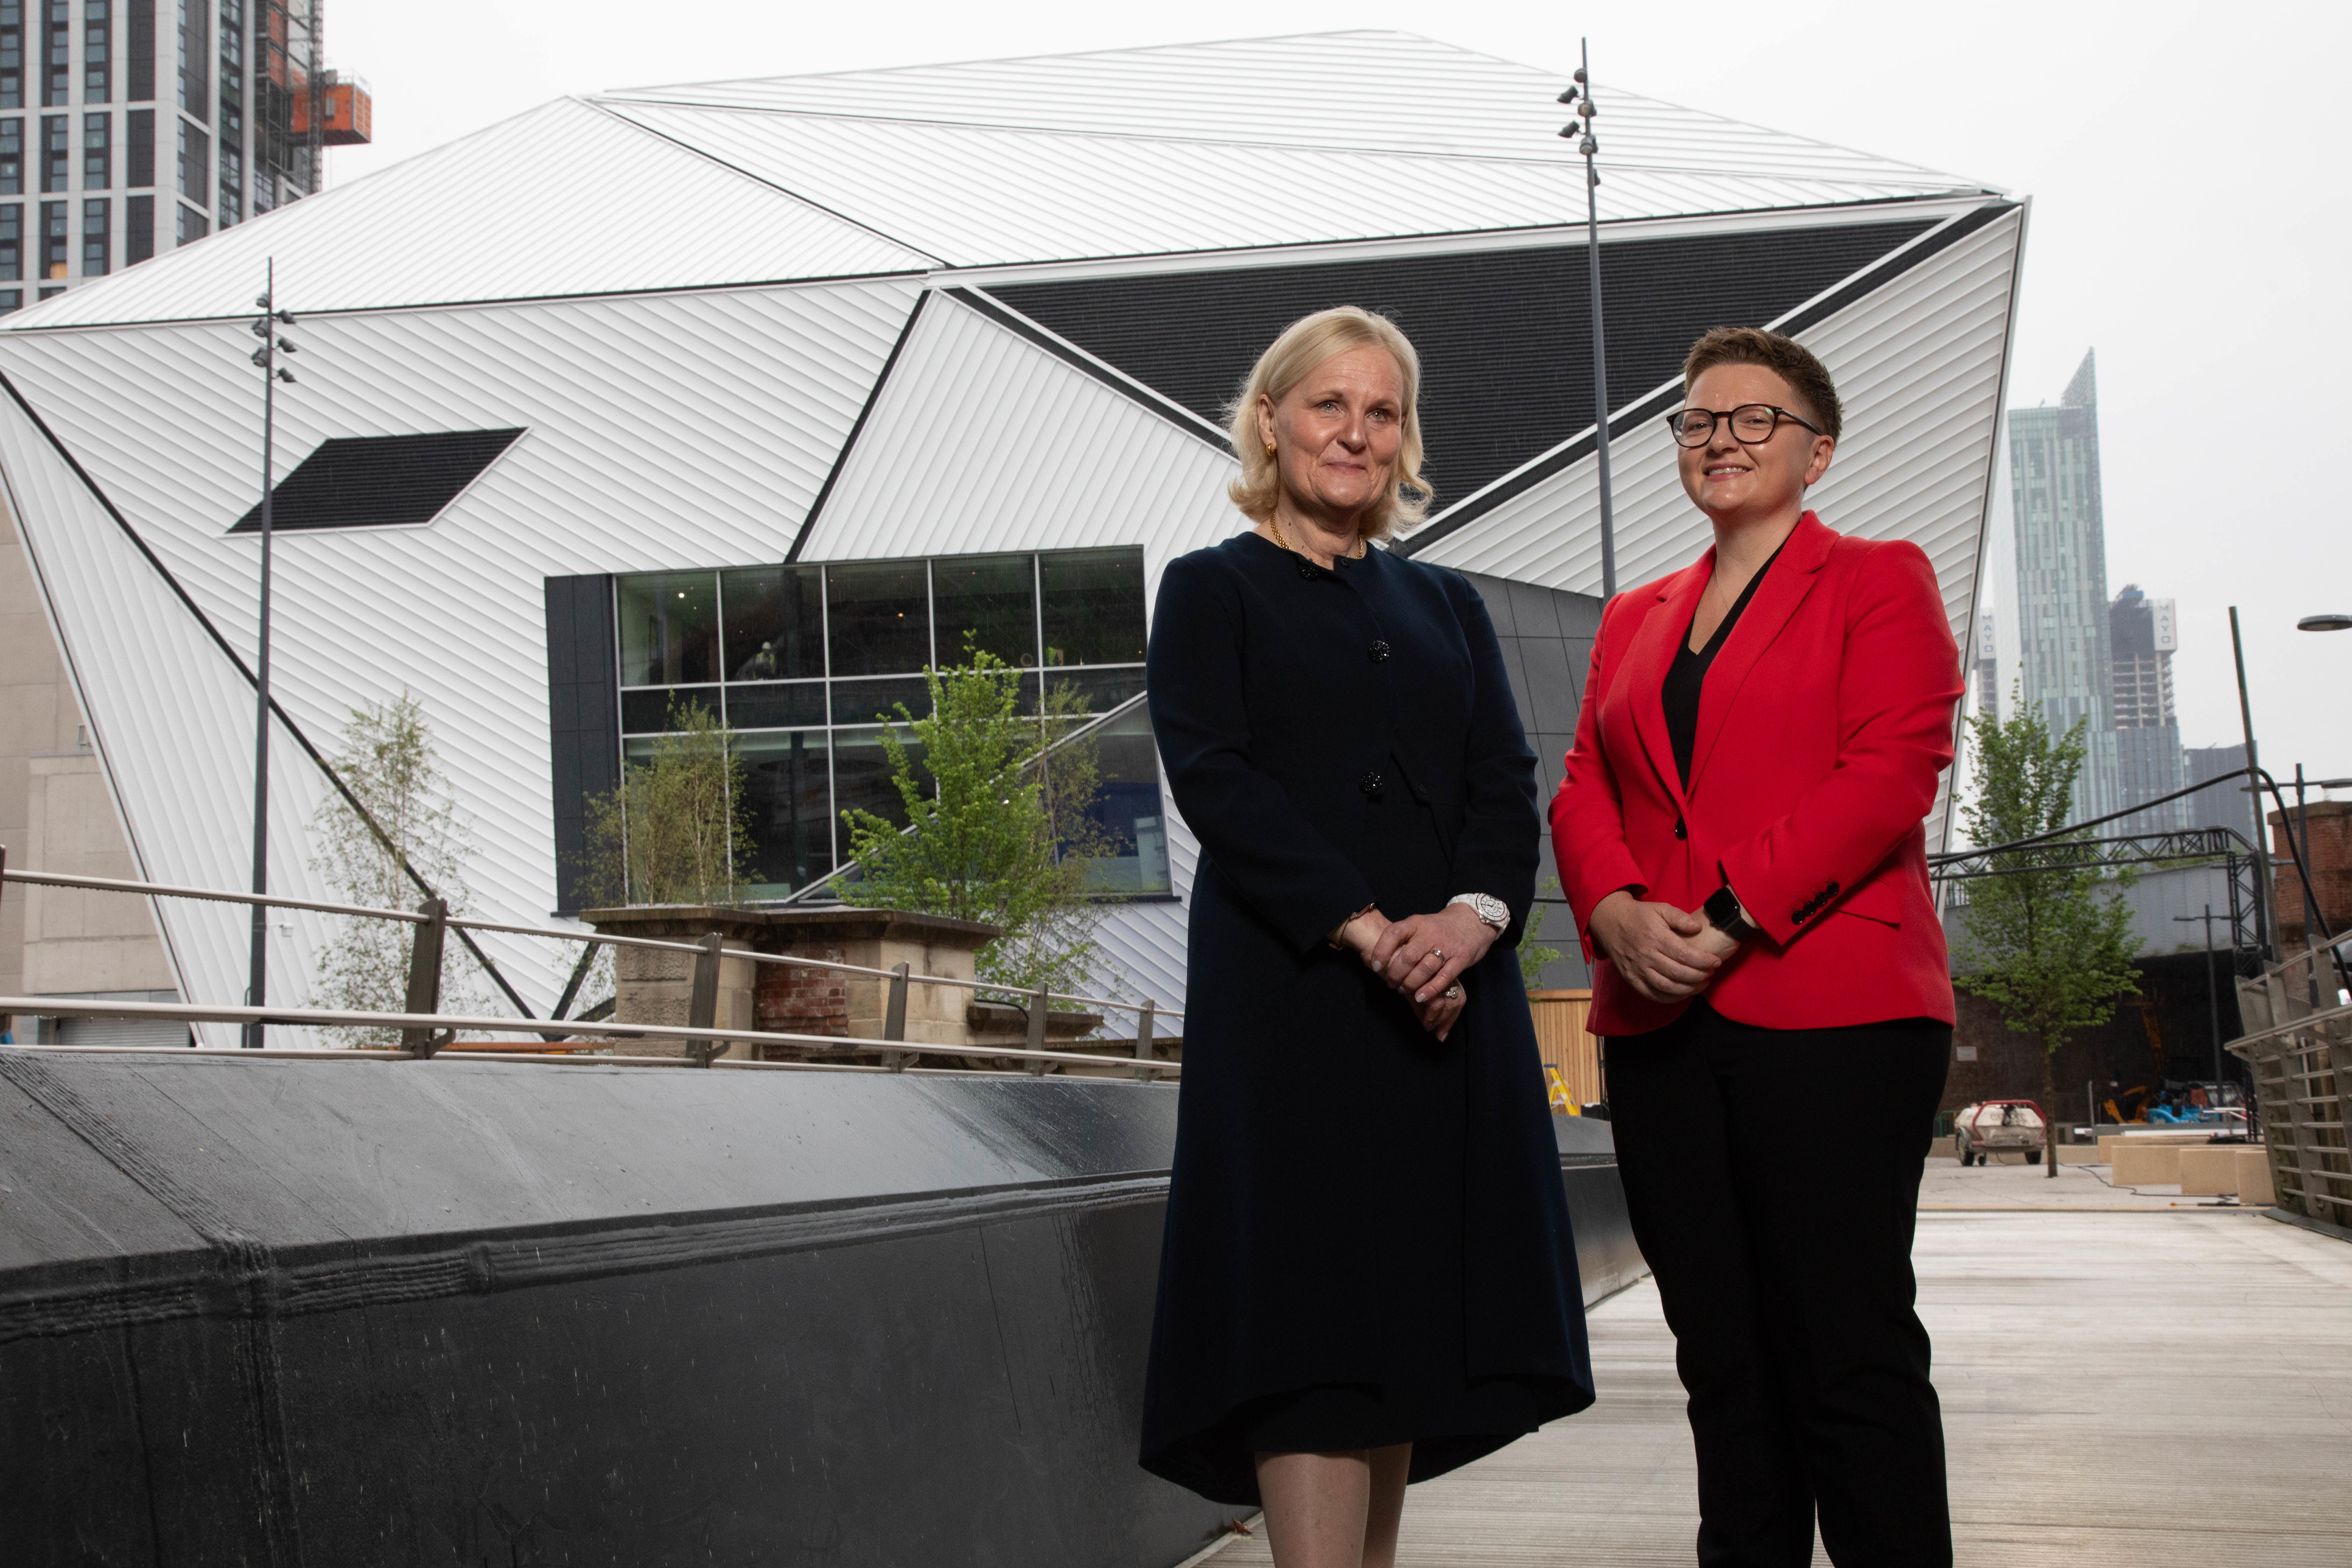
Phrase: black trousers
x=1773 y=1179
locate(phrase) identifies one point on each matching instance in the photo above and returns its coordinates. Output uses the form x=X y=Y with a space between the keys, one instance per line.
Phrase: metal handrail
x=2341 y=1013
x=159 y=889
x=164 y=890
x=344 y=1018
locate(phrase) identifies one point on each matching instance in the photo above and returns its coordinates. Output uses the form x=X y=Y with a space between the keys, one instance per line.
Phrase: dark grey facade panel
x=582 y=719
x=1547 y=636
x=370 y=481
x=1505 y=336
x=478 y=1313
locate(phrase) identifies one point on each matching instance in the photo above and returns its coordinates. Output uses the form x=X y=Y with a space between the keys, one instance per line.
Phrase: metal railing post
x=425 y=979
x=7 y=1022
x=1037 y=1006
x=1143 y=1040
x=702 y=1005
x=894 y=1018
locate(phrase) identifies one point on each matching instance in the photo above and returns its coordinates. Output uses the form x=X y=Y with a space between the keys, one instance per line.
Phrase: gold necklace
x=1274 y=522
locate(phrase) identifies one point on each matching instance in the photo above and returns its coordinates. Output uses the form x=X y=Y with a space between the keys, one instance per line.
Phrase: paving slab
x=2126 y=1384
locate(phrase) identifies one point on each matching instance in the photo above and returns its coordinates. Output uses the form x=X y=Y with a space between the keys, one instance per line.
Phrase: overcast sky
x=2185 y=162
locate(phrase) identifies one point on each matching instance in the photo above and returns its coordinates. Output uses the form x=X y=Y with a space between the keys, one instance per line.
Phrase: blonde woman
x=1366 y=1277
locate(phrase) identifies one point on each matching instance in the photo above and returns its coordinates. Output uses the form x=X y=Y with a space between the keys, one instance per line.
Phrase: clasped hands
x=1421 y=957
x=1665 y=952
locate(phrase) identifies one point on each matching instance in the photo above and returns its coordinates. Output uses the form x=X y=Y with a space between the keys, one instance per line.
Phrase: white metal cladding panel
x=677 y=431
x=1923 y=359
x=977 y=196
x=984 y=441
x=566 y=199
x=1147 y=941
x=173 y=720
x=1371 y=90
x=1918 y=366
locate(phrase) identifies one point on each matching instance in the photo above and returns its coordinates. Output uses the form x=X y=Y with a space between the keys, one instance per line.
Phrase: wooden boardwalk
x=2134 y=1384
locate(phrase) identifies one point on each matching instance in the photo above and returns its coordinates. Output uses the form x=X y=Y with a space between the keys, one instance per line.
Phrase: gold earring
x=1269 y=449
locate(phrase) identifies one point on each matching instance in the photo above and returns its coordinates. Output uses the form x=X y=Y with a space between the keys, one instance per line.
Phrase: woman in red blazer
x=1739 y=832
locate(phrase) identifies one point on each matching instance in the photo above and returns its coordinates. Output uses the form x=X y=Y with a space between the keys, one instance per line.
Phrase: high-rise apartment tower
x=133 y=126
x=2063 y=658
x=2141 y=637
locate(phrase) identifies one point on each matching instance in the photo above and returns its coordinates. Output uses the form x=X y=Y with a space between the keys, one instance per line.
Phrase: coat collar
x=1784 y=587
x=1265 y=554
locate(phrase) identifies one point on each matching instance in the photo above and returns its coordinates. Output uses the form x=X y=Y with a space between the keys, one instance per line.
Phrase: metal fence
x=426 y=1031
x=2300 y=1054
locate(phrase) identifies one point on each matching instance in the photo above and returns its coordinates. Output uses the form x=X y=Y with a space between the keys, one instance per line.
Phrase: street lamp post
x=1579 y=100
x=265 y=327
x=2265 y=903
x=2212 y=986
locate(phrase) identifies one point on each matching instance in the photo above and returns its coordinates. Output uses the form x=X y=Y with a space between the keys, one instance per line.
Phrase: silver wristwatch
x=1487 y=907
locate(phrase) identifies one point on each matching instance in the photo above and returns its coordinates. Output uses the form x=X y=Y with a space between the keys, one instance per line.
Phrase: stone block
x=798 y=999
x=2211 y=1170
x=2110 y=1142
x=2254 y=1183
x=2146 y=1163
x=2080 y=1155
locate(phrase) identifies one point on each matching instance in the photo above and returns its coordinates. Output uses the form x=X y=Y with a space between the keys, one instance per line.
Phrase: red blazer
x=1825 y=720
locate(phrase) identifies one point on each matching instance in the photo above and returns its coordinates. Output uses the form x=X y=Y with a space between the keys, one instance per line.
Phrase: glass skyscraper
x=2141 y=637
x=2065 y=663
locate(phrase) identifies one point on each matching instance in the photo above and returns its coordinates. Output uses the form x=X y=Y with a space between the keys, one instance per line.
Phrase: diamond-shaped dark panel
x=370 y=481
x=1505 y=336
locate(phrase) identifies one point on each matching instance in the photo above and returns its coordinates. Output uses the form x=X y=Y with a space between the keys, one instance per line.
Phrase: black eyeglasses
x=1752 y=423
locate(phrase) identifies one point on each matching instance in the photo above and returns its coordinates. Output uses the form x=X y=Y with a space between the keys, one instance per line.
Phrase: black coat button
x=1831 y=891
x=1681 y=831
x=1305 y=571
x=1798 y=917
x=1379 y=652
x=1371 y=784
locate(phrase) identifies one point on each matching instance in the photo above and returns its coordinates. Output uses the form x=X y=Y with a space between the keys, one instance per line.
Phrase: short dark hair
x=1785 y=357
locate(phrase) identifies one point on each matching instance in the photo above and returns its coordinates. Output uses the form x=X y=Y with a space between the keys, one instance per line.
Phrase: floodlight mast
x=265 y=327
x=1579 y=101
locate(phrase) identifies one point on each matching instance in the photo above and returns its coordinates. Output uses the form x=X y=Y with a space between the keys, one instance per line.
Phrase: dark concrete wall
x=2163 y=1032
x=360 y=1313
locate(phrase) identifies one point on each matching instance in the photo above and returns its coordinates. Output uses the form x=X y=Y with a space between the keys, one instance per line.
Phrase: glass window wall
x=98 y=52
x=1093 y=606
x=878 y=616
x=12 y=54
x=805 y=663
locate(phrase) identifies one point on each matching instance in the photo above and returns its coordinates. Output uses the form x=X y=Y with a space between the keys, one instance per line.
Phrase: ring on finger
x=1452 y=992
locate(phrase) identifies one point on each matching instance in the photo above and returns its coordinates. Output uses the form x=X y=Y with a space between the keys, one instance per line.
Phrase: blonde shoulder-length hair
x=1291 y=359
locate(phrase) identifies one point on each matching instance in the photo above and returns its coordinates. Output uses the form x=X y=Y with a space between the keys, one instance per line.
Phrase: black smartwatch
x=1724 y=914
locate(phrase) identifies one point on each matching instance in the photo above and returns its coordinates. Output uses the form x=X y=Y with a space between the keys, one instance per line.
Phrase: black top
x=1686 y=677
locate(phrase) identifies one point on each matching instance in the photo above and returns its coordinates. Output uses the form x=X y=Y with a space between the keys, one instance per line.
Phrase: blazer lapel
x=1652 y=653
x=1784 y=588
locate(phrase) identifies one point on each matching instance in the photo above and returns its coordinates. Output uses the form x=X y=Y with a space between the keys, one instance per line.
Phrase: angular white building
x=769 y=391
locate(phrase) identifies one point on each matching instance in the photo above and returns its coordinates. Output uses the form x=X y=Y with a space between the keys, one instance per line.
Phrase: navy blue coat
x=1354 y=1201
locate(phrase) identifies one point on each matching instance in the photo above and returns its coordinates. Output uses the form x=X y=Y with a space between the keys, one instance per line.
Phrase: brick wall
x=2331 y=870
x=798 y=1001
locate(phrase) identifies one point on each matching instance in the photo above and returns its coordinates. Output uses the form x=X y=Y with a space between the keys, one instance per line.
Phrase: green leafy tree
x=1532 y=958
x=2048 y=939
x=1001 y=830
x=672 y=830
x=387 y=761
